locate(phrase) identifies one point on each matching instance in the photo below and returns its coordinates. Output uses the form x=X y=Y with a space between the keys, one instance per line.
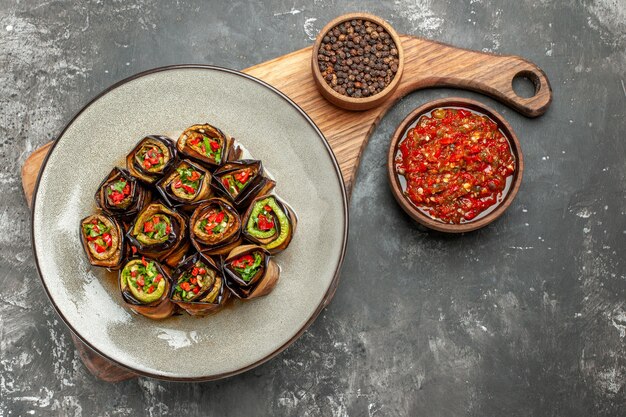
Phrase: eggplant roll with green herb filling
x=250 y=272
x=241 y=181
x=186 y=185
x=145 y=288
x=206 y=144
x=270 y=223
x=121 y=195
x=198 y=286
x=215 y=227
x=159 y=232
x=153 y=156
x=103 y=240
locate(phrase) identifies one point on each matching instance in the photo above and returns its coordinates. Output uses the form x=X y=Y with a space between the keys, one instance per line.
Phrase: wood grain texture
x=427 y=64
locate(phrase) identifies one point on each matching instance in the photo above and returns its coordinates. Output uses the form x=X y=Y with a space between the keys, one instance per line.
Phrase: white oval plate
x=166 y=100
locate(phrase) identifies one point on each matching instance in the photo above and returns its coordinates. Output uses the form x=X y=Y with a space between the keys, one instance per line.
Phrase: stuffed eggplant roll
x=206 y=144
x=145 y=288
x=198 y=286
x=102 y=240
x=215 y=227
x=121 y=195
x=159 y=232
x=270 y=223
x=153 y=156
x=241 y=181
x=250 y=272
x=185 y=186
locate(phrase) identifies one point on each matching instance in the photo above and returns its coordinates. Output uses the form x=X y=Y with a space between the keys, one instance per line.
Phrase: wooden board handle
x=433 y=64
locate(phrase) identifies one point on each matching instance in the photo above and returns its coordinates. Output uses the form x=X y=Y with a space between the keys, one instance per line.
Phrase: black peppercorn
x=358 y=58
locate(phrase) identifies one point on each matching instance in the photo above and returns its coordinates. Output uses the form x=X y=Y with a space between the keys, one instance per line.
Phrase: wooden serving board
x=427 y=64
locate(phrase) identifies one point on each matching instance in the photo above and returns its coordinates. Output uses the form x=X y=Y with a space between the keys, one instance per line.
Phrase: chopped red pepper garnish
x=243 y=262
x=219 y=217
x=201 y=271
x=99 y=248
x=178 y=184
x=214 y=146
x=267 y=208
x=195 y=271
x=242 y=176
x=107 y=239
x=133 y=249
x=150 y=289
x=117 y=197
x=189 y=189
x=265 y=223
x=143 y=261
x=196 y=290
x=195 y=175
x=133 y=274
x=140 y=280
x=148 y=227
x=194 y=141
x=158 y=278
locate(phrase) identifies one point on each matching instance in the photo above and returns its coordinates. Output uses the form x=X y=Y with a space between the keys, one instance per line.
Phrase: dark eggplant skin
x=222 y=246
x=138 y=171
x=171 y=250
x=227 y=145
x=259 y=184
x=200 y=308
x=115 y=260
x=139 y=196
x=267 y=243
x=156 y=310
x=261 y=284
x=172 y=200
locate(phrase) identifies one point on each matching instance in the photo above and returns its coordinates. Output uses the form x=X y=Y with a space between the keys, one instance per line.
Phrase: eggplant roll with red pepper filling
x=198 y=286
x=153 y=156
x=241 y=181
x=145 y=288
x=186 y=185
x=215 y=227
x=206 y=144
x=159 y=232
x=250 y=272
x=270 y=223
x=121 y=195
x=103 y=240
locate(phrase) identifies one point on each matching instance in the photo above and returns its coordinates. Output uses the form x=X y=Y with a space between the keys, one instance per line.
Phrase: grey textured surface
x=524 y=318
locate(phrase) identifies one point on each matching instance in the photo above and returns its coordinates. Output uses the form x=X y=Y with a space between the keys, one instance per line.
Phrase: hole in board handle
x=526 y=84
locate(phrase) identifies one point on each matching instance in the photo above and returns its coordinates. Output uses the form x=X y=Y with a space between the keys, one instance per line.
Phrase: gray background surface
x=526 y=317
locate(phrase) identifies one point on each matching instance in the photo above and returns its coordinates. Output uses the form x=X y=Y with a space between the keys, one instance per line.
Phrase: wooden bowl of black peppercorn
x=357 y=61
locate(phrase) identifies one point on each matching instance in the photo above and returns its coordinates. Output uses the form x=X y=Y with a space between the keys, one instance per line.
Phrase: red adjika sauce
x=456 y=164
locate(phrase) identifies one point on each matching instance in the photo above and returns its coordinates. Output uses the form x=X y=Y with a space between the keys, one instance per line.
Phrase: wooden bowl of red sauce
x=454 y=165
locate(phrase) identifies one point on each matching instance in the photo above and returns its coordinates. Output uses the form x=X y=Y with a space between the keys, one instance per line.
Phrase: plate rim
x=330 y=292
